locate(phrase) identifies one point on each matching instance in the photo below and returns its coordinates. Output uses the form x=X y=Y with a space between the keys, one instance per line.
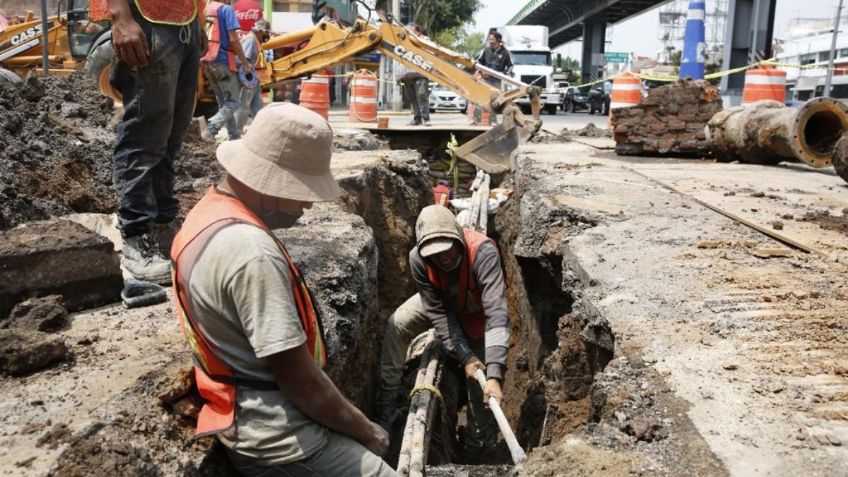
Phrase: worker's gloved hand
x=376 y=439
x=472 y=365
x=492 y=389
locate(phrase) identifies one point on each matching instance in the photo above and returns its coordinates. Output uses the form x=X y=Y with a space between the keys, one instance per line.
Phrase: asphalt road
x=553 y=123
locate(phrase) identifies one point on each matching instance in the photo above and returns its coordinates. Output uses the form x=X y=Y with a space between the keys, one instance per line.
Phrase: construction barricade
x=764 y=83
x=626 y=93
x=315 y=94
x=363 y=97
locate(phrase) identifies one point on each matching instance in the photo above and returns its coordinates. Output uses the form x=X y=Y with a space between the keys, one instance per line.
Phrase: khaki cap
x=285 y=153
x=436 y=230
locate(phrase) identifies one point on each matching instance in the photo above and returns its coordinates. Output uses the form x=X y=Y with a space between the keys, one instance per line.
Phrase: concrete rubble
x=670 y=121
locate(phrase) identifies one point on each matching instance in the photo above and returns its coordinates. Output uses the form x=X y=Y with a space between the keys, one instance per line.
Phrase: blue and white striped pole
x=694 y=44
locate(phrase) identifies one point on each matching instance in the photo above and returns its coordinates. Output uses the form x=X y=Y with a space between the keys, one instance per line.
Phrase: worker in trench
x=461 y=294
x=249 y=318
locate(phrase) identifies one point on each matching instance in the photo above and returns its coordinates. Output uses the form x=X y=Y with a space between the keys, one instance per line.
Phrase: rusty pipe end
x=816 y=127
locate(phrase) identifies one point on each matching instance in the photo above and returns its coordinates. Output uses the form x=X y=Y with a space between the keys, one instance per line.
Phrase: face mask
x=280 y=220
x=452 y=267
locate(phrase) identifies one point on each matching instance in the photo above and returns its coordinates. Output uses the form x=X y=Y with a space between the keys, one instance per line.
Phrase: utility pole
x=829 y=76
x=396 y=101
x=44 y=38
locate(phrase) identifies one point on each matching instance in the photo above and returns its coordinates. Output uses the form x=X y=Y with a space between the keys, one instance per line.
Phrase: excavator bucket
x=493 y=151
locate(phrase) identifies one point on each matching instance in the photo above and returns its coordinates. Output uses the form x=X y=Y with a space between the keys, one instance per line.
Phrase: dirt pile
x=38 y=314
x=670 y=121
x=566 y=135
x=56 y=156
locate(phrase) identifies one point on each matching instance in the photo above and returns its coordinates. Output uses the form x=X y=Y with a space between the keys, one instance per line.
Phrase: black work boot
x=144 y=261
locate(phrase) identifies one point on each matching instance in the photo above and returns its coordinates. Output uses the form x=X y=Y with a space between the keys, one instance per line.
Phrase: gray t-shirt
x=242 y=298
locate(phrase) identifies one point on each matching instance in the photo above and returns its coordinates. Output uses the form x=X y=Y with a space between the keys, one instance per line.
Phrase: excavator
x=340 y=34
x=75 y=42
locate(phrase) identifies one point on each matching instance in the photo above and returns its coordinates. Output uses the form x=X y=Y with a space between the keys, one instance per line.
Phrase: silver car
x=446 y=100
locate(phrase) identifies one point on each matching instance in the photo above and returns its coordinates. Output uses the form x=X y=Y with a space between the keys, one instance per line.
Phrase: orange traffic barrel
x=764 y=83
x=363 y=97
x=485 y=116
x=626 y=91
x=315 y=94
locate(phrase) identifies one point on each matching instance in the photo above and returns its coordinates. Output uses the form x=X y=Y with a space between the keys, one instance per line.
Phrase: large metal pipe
x=769 y=132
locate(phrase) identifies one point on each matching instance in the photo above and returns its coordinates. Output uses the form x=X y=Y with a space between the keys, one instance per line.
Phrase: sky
x=630 y=35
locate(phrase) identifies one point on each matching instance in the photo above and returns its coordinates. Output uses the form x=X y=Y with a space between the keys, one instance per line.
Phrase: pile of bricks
x=669 y=121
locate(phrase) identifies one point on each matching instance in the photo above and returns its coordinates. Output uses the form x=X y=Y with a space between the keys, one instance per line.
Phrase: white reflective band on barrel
x=365 y=82
x=627 y=87
x=497 y=337
x=363 y=100
x=318 y=80
x=622 y=105
x=760 y=79
x=695 y=14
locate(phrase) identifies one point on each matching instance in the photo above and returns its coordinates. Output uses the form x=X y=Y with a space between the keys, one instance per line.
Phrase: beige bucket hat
x=285 y=153
x=436 y=230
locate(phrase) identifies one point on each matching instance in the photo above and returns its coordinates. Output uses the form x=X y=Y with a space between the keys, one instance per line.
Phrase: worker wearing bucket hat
x=249 y=318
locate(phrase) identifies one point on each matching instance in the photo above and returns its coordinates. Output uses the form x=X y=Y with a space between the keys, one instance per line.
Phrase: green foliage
x=437 y=16
x=462 y=40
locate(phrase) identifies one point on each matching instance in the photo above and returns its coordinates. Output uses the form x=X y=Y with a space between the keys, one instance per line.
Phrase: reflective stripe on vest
x=441 y=194
x=213 y=33
x=469 y=299
x=216 y=382
x=167 y=12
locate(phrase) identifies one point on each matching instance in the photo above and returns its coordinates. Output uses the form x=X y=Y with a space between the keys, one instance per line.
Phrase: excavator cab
x=82 y=32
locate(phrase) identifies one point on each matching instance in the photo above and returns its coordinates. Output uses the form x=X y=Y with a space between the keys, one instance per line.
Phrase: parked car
x=575 y=100
x=445 y=99
x=599 y=98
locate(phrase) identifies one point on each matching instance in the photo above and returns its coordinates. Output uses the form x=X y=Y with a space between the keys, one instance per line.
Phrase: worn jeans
x=478 y=111
x=250 y=102
x=407 y=322
x=341 y=456
x=416 y=92
x=225 y=85
x=158 y=104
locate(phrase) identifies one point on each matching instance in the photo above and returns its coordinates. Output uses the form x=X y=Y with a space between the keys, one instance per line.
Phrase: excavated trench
x=559 y=342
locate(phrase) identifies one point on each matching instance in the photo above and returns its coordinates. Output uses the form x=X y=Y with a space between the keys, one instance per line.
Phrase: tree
x=436 y=16
x=462 y=40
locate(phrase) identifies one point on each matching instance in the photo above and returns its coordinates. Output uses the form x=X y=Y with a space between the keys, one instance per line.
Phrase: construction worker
x=248 y=315
x=461 y=294
x=219 y=65
x=415 y=88
x=250 y=96
x=496 y=57
x=157 y=81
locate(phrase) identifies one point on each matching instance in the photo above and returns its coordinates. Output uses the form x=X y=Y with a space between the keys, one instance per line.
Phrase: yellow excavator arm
x=328 y=44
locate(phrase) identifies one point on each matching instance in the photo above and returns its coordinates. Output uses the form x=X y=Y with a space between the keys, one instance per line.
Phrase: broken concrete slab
x=38 y=314
x=57 y=257
x=24 y=351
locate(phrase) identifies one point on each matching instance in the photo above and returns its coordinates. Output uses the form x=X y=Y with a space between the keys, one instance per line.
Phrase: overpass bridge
x=750 y=27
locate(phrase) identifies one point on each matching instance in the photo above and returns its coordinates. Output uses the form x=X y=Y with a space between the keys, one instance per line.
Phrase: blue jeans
x=251 y=103
x=158 y=104
x=225 y=85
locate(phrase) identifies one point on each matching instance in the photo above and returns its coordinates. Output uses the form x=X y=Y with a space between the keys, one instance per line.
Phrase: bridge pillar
x=594 y=39
x=750 y=28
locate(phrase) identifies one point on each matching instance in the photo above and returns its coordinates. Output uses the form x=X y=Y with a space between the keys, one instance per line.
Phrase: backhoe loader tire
x=98 y=66
x=7 y=77
x=551 y=109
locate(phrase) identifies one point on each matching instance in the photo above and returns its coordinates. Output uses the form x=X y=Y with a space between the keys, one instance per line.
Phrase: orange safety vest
x=216 y=382
x=470 y=299
x=213 y=33
x=441 y=194
x=168 y=12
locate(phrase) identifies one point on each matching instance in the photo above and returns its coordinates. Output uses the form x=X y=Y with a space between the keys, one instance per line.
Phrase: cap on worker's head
x=436 y=230
x=285 y=153
x=261 y=26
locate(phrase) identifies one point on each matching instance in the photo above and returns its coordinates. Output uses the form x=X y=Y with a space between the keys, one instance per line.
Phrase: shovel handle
x=518 y=455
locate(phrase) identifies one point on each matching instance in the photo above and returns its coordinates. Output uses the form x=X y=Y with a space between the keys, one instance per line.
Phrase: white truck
x=532 y=63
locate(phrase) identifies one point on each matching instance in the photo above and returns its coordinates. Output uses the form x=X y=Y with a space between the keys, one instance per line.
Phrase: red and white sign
x=247 y=12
